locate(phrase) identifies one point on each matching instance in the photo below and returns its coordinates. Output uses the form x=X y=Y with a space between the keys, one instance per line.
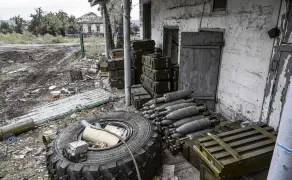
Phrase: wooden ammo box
x=157 y=87
x=118 y=74
x=157 y=75
x=144 y=44
x=115 y=64
x=156 y=62
x=139 y=96
x=236 y=153
x=136 y=57
x=175 y=85
x=117 y=53
x=175 y=74
x=119 y=83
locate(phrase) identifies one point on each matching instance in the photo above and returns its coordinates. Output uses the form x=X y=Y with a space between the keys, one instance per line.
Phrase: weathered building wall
x=247 y=51
x=85 y=28
x=94 y=28
x=279 y=72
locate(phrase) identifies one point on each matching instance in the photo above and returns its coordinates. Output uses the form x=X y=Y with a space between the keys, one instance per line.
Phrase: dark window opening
x=147 y=21
x=97 y=28
x=219 y=5
x=89 y=28
x=171 y=43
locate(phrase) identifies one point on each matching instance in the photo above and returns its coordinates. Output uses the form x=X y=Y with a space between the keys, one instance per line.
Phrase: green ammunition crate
x=156 y=62
x=139 y=96
x=157 y=75
x=115 y=64
x=119 y=83
x=136 y=58
x=175 y=74
x=118 y=74
x=151 y=92
x=235 y=153
x=144 y=44
x=175 y=85
x=157 y=87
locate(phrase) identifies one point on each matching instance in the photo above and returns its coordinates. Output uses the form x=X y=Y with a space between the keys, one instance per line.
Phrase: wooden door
x=199 y=64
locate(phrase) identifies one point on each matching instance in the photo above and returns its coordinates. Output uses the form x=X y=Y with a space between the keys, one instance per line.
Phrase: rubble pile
x=178 y=118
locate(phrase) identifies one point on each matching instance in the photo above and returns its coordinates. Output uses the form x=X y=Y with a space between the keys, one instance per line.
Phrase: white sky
x=10 y=8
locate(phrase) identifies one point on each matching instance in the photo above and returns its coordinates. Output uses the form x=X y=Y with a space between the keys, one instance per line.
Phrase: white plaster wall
x=246 y=54
x=85 y=28
x=93 y=28
x=101 y=28
x=269 y=88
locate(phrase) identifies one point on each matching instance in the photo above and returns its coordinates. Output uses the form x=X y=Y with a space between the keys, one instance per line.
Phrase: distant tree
x=72 y=25
x=115 y=10
x=51 y=24
x=135 y=28
x=64 y=19
x=19 y=24
x=5 y=28
x=36 y=22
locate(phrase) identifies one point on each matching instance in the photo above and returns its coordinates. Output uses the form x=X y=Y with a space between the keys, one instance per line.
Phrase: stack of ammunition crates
x=140 y=48
x=116 y=53
x=157 y=77
x=139 y=96
x=114 y=68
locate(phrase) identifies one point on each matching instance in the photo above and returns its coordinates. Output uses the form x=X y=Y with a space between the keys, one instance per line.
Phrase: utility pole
x=81 y=43
x=106 y=40
x=127 y=59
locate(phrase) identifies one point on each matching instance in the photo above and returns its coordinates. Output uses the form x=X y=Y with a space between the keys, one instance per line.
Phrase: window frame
x=218 y=12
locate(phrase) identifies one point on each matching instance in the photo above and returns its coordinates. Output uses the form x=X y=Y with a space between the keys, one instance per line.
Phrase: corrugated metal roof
x=60 y=108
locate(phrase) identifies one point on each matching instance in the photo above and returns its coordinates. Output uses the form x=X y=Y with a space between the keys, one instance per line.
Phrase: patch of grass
x=4 y=78
x=94 y=46
x=28 y=38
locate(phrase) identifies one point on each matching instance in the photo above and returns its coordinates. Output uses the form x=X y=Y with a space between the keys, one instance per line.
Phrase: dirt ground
x=27 y=73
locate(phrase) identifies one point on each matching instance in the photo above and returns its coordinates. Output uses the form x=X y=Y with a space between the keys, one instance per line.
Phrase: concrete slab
x=183 y=170
x=57 y=109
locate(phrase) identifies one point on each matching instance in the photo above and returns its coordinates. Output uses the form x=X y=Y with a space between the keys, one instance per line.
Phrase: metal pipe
x=106 y=40
x=127 y=60
x=281 y=165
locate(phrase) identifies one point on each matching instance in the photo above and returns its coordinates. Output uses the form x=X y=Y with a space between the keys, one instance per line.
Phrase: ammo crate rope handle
x=226 y=147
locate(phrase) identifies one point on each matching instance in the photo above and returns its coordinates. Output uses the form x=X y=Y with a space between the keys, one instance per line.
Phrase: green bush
x=29 y=38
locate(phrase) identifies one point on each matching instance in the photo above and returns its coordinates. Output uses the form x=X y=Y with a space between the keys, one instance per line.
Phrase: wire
x=121 y=139
x=202 y=15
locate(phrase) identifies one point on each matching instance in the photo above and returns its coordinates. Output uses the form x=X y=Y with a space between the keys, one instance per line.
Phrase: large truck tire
x=112 y=163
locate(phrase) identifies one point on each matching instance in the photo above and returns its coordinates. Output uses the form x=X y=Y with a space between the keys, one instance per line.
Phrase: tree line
x=42 y=23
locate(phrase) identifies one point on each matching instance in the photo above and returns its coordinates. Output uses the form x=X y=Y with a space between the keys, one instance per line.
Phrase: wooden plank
x=227 y=148
x=236 y=131
x=250 y=155
x=243 y=149
x=237 y=137
x=202 y=47
x=240 y=143
x=201 y=38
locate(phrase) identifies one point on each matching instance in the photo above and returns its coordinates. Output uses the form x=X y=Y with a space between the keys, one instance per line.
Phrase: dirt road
x=27 y=72
x=27 y=75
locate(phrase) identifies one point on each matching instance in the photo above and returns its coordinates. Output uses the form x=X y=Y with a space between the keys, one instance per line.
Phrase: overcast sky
x=10 y=8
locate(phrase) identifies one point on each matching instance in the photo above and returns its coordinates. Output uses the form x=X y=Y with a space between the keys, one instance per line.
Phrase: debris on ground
x=26 y=83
